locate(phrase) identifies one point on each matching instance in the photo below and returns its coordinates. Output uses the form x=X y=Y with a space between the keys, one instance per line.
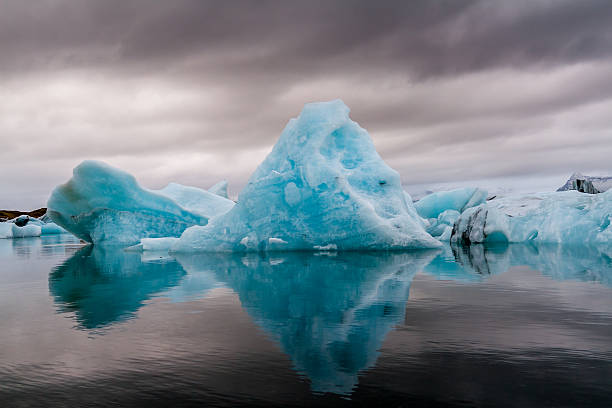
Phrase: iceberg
x=323 y=185
x=12 y=230
x=587 y=184
x=195 y=199
x=443 y=208
x=432 y=205
x=102 y=204
x=220 y=189
x=25 y=226
x=567 y=217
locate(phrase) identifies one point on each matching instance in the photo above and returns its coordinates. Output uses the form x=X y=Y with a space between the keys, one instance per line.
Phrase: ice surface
x=220 y=189
x=103 y=204
x=461 y=199
x=196 y=200
x=322 y=184
x=568 y=217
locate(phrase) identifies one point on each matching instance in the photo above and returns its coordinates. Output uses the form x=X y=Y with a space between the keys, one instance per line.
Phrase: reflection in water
x=105 y=286
x=477 y=262
x=329 y=312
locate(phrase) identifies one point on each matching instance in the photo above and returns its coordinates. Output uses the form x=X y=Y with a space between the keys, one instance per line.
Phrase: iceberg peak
x=323 y=184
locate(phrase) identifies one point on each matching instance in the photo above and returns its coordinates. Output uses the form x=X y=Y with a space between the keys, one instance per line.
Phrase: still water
x=507 y=326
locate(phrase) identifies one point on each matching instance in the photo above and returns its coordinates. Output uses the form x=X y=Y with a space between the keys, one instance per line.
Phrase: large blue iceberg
x=103 y=204
x=323 y=186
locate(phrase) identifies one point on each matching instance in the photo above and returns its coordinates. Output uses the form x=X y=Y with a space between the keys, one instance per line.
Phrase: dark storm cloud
x=449 y=90
x=424 y=37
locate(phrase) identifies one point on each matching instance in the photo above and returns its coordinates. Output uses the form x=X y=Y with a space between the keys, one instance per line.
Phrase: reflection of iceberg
x=565 y=262
x=102 y=287
x=329 y=313
x=560 y=262
x=468 y=264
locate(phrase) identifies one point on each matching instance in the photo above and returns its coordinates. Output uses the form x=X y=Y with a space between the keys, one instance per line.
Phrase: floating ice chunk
x=197 y=200
x=30 y=230
x=442 y=209
x=461 y=199
x=323 y=183
x=25 y=226
x=587 y=184
x=103 y=204
x=220 y=189
x=558 y=217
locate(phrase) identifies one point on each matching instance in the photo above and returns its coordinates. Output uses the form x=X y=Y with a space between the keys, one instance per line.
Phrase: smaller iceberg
x=12 y=230
x=25 y=226
x=567 y=217
x=432 y=205
x=587 y=184
x=102 y=204
x=442 y=209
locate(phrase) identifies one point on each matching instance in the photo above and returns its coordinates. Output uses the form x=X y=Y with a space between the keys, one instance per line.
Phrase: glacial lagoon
x=512 y=325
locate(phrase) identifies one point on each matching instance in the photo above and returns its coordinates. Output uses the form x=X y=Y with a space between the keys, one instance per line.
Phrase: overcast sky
x=197 y=91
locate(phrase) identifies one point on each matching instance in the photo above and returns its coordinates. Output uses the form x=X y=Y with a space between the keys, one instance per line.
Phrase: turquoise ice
x=102 y=204
x=567 y=217
x=323 y=187
x=443 y=208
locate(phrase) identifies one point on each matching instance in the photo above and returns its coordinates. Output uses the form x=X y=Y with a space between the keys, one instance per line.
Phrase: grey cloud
x=421 y=37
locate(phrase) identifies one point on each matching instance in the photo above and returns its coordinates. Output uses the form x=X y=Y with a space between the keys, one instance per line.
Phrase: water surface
x=502 y=326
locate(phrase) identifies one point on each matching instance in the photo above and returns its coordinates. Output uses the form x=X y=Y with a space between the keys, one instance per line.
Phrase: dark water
x=516 y=326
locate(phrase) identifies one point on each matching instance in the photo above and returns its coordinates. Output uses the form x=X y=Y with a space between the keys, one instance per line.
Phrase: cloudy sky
x=196 y=91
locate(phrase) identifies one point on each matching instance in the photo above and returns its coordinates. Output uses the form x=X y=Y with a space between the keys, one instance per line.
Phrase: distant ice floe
x=25 y=226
